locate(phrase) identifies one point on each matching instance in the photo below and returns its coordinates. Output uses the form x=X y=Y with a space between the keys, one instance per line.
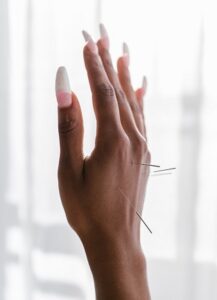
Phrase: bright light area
x=173 y=43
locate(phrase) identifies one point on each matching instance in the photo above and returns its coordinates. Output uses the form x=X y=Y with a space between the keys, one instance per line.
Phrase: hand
x=101 y=192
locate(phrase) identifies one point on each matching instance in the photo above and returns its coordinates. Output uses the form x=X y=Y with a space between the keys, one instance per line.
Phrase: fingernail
x=126 y=53
x=63 y=91
x=144 y=83
x=104 y=36
x=90 y=42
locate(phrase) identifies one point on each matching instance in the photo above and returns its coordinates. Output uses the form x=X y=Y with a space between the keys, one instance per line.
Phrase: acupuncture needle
x=136 y=211
x=146 y=164
x=165 y=170
x=161 y=174
x=143 y=221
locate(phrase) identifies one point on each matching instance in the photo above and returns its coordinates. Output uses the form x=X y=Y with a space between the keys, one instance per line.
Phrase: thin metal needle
x=143 y=221
x=161 y=174
x=156 y=166
x=165 y=170
x=136 y=211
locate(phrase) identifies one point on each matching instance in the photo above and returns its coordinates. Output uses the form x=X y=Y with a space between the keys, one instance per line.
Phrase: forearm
x=119 y=270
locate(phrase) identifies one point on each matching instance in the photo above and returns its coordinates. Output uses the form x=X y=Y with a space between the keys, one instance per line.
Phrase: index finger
x=104 y=99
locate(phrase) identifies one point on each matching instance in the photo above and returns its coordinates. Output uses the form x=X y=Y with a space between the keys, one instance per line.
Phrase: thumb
x=70 y=127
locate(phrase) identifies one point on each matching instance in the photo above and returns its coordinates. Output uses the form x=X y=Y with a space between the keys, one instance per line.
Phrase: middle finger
x=126 y=115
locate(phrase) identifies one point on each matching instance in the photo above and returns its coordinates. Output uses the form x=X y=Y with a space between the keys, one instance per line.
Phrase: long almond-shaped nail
x=90 y=42
x=104 y=36
x=144 y=83
x=63 y=91
x=126 y=53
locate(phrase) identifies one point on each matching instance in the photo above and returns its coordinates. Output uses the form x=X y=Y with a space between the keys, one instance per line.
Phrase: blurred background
x=173 y=43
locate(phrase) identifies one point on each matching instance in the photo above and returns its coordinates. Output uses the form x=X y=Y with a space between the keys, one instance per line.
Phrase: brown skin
x=103 y=218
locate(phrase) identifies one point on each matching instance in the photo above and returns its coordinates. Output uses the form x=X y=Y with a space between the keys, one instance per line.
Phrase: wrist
x=118 y=267
x=109 y=248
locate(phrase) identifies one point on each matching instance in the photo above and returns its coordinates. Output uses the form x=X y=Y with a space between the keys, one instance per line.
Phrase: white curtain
x=173 y=43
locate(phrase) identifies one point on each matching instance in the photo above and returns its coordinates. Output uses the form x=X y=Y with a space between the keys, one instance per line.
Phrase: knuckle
x=120 y=147
x=139 y=145
x=121 y=141
x=67 y=127
x=105 y=90
x=115 y=144
x=116 y=137
x=120 y=95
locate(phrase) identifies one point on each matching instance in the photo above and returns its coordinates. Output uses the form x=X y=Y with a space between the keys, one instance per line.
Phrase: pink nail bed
x=126 y=59
x=105 y=42
x=92 y=47
x=64 y=99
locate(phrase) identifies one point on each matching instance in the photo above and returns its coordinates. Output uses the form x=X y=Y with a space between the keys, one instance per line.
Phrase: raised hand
x=92 y=188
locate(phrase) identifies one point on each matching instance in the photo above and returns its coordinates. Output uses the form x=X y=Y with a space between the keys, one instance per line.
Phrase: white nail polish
x=126 y=49
x=126 y=53
x=90 y=42
x=87 y=36
x=104 y=35
x=144 y=82
x=63 y=91
x=103 y=31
